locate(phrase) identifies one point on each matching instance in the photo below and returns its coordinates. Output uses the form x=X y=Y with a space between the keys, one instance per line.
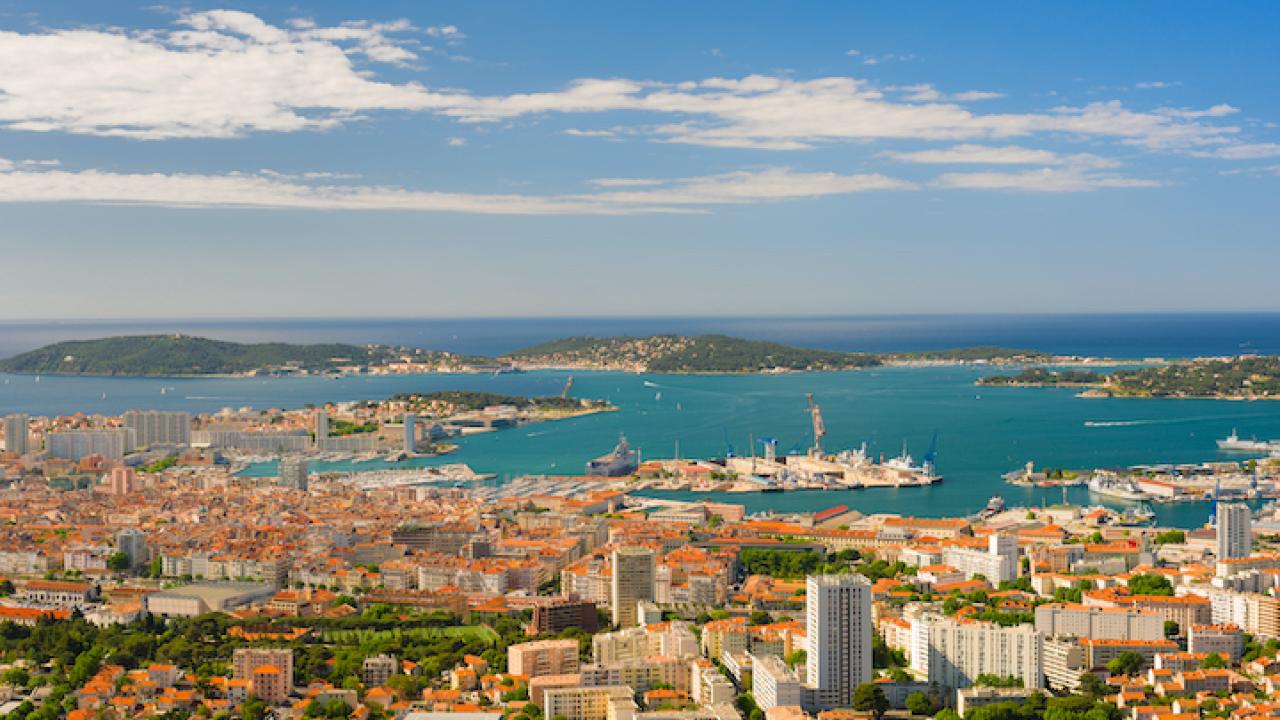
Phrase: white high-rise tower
x=1235 y=531
x=838 y=610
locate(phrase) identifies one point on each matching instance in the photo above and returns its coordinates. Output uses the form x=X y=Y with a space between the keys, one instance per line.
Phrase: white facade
x=1060 y=620
x=1235 y=533
x=838 y=635
x=999 y=562
x=157 y=427
x=958 y=652
x=16 y=438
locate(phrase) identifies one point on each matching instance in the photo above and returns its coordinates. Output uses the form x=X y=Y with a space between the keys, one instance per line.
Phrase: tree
x=1126 y=663
x=919 y=704
x=119 y=562
x=869 y=697
x=156 y=569
x=253 y=709
x=1176 y=537
x=1214 y=661
x=1171 y=629
x=947 y=714
x=1092 y=685
x=1150 y=584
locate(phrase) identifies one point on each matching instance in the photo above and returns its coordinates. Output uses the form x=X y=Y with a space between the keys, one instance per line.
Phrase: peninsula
x=1248 y=377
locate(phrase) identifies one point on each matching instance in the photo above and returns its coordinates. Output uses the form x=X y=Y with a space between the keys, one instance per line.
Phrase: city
x=574 y=360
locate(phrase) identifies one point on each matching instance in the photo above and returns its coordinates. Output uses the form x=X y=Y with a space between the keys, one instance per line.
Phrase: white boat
x=1235 y=443
x=1112 y=486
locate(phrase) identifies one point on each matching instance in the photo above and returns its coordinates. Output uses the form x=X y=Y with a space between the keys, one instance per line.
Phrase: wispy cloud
x=1002 y=155
x=1048 y=180
x=24 y=182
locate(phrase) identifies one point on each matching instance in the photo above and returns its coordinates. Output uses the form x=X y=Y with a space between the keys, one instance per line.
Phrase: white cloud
x=1003 y=155
x=268 y=189
x=457 y=142
x=1158 y=85
x=1243 y=151
x=1057 y=180
x=227 y=73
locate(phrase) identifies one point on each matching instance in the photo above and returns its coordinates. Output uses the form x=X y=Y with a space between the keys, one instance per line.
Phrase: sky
x=428 y=159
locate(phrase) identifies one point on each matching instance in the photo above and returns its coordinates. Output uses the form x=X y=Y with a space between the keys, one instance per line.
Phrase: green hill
x=688 y=354
x=182 y=355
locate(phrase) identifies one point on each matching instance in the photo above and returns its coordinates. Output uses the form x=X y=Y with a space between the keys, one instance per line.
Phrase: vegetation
x=869 y=697
x=783 y=564
x=161 y=465
x=1039 y=376
x=995 y=681
x=1174 y=537
x=1150 y=584
x=690 y=354
x=1241 y=377
x=464 y=400
x=183 y=355
x=1126 y=663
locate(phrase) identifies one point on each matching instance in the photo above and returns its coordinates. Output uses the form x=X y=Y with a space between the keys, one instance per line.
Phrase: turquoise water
x=982 y=432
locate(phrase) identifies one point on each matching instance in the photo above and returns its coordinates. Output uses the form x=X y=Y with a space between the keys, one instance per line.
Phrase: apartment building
x=543 y=657
x=1080 y=621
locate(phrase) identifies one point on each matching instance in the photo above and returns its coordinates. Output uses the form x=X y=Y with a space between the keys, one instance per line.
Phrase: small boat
x=994 y=506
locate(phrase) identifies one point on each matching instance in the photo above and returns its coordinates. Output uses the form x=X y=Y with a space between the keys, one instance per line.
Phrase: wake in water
x=1165 y=421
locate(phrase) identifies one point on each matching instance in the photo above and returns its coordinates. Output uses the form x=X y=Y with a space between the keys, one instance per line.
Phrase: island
x=184 y=355
x=179 y=355
x=1247 y=377
x=721 y=354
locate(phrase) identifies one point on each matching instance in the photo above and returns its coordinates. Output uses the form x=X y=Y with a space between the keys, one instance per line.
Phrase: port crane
x=819 y=428
x=568 y=385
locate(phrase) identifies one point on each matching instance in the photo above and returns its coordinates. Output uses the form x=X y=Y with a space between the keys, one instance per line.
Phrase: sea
x=978 y=433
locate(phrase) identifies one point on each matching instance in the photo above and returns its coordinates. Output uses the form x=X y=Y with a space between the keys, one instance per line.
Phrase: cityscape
x=639 y=361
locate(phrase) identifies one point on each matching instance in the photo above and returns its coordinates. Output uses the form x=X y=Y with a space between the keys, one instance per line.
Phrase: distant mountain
x=184 y=355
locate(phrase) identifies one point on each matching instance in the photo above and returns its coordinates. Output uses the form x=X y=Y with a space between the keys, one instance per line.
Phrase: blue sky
x=456 y=159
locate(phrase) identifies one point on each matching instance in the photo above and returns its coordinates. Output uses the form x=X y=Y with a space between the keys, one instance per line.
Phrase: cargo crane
x=819 y=428
x=933 y=453
x=568 y=385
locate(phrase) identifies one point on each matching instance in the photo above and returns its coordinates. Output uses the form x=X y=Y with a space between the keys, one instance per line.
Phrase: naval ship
x=622 y=461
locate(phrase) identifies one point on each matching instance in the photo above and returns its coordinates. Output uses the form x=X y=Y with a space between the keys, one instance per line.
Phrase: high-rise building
x=634 y=577
x=132 y=542
x=322 y=429
x=410 y=433
x=1078 y=621
x=158 y=427
x=1235 y=531
x=293 y=473
x=16 y=437
x=838 y=635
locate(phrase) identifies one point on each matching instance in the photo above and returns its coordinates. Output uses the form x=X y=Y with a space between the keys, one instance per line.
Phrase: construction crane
x=568 y=385
x=819 y=428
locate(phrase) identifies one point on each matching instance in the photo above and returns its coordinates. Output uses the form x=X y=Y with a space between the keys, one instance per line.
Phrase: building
x=322 y=429
x=410 y=433
x=1235 y=533
x=608 y=702
x=974 y=697
x=293 y=473
x=838 y=635
x=58 y=593
x=121 y=481
x=377 y=669
x=999 y=562
x=634 y=577
x=564 y=613
x=1063 y=661
x=17 y=440
x=1097 y=653
x=268 y=670
x=1080 y=621
x=158 y=427
x=1226 y=641
x=954 y=652
x=773 y=684
x=200 y=598
x=111 y=444
x=132 y=542
x=543 y=657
